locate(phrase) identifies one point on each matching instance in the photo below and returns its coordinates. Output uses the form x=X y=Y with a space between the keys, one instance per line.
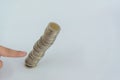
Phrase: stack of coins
x=42 y=44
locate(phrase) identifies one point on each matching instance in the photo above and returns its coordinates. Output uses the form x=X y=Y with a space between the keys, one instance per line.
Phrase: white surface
x=87 y=48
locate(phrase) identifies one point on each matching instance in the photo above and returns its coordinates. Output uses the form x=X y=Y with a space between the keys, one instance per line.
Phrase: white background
x=87 y=48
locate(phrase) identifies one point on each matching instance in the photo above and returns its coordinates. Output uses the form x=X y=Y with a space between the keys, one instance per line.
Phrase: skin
x=6 y=52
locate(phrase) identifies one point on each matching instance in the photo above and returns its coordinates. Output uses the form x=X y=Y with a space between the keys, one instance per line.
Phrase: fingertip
x=1 y=64
x=22 y=53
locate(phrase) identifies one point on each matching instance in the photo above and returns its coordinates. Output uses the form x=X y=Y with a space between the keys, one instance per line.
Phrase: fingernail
x=23 y=53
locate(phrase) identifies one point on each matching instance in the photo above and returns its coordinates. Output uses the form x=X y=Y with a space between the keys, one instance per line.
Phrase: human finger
x=6 y=52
